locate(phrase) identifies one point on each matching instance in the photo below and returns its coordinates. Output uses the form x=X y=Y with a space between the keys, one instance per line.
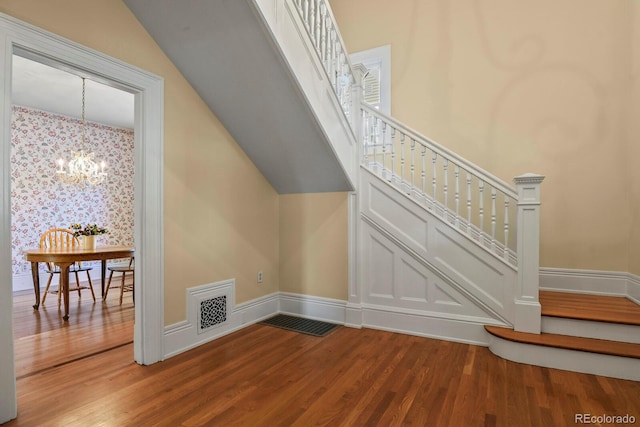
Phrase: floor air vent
x=213 y=312
x=298 y=324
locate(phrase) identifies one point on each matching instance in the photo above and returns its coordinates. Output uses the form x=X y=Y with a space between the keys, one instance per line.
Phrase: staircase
x=583 y=333
x=439 y=247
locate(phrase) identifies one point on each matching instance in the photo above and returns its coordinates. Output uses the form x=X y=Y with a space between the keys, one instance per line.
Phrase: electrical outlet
x=259 y=276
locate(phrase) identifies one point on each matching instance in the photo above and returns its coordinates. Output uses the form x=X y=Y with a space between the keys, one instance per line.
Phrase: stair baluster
x=468 y=204
x=456 y=172
x=493 y=219
x=505 y=252
x=393 y=153
x=445 y=188
x=434 y=159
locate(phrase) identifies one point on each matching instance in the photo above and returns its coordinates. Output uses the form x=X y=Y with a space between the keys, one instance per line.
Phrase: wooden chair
x=58 y=238
x=124 y=269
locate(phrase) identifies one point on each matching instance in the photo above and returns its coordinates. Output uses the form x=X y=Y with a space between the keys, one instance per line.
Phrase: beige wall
x=633 y=157
x=220 y=215
x=313 y=244
x=521 y=87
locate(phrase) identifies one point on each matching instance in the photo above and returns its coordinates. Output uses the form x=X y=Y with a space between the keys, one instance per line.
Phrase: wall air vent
x=213 y=312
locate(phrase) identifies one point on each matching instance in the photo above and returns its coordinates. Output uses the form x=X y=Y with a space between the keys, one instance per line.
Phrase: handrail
x=445 y=152
x=444 y=182
x=389 y=148
x=323 y=31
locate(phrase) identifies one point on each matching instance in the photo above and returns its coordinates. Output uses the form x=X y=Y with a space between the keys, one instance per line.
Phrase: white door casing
x=27 y=40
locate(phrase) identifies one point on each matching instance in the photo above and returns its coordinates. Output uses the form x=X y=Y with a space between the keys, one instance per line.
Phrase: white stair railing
x=454 y=189
x=501 y=220
x=323 y=32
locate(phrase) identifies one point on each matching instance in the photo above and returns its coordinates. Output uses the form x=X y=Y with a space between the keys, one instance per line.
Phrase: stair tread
x=614 y=348
x=590 y=307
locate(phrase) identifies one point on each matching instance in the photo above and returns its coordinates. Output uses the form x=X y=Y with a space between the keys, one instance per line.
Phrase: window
x=377 y=82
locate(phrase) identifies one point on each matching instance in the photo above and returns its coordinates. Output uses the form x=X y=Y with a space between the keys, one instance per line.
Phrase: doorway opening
x=39 y=45
x=47 y=107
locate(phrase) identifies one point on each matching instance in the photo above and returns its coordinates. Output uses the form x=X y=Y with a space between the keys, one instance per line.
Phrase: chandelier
x=82 y=168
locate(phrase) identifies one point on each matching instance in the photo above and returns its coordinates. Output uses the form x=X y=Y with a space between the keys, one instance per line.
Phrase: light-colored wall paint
x=220 y=214
x=521 y=87
x=633 y=157
x=313 y=244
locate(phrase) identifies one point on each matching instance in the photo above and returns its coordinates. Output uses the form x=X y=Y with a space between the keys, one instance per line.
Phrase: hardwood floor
x=264 y=376
x=43 y=340
x=590 y=307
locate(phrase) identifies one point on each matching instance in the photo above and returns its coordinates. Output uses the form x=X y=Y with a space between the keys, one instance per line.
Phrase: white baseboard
x=185 y=335
x=311 y=307
x=594 y=282
x=633 y=288
x=461 y=330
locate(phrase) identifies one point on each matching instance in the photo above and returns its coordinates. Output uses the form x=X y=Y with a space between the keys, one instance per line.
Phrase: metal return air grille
x=298 y=324
x=213 y=312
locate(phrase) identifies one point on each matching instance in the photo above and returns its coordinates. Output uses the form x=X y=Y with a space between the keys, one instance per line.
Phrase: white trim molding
x=464 y=328
x=612 y=283
x=148 y=89
x=186 y=335
x=311 y=307
x=378 y=57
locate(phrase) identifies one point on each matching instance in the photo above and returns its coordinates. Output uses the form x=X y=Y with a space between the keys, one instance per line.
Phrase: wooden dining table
x=64 y=258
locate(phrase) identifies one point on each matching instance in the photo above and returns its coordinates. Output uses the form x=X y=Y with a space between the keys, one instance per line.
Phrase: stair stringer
x=253 y=64
x=424 y=273
x=289 y=35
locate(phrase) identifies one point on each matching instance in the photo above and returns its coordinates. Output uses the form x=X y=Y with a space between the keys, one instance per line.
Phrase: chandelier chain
x=82 y=169
x=83 y=120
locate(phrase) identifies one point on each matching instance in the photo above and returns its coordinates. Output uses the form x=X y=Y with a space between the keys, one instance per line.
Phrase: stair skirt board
x=591 y=329
x=299 y=324
x=570 y=360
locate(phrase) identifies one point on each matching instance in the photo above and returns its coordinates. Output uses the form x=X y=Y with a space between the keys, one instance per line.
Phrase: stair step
x=590 y=329
x=598 y=308
x=613 y=348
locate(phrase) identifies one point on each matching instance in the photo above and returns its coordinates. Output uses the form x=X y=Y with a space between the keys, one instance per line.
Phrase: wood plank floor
x=614 y=348
x=265 y=376
x=43 y=340
x=590 y=307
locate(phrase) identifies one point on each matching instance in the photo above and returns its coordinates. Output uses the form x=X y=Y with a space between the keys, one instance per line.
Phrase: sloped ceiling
x=224 y=50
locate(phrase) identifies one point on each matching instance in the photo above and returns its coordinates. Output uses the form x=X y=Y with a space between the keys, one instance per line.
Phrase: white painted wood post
x=527 y=304
x=353 y=314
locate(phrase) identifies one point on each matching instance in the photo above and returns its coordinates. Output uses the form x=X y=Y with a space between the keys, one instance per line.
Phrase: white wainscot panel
x=413 y=283
x=391 y=210
x=473 y=269
x=394 y=278
x=381 y=266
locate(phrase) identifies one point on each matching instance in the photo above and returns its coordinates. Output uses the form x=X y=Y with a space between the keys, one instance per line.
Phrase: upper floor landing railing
x=323 y=31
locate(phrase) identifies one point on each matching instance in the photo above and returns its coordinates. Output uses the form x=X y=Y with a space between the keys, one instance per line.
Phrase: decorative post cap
x=529 y=178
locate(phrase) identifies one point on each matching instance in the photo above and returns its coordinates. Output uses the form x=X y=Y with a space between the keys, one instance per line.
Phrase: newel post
x=527 y=304
x=354 y=314
x=357 y=94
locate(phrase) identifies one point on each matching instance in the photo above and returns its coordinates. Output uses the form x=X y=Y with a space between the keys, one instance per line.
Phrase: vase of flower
x=89 y=242
x=89 y=233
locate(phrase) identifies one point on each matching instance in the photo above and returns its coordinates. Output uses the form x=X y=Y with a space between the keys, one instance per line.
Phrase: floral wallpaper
x=40 y=201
